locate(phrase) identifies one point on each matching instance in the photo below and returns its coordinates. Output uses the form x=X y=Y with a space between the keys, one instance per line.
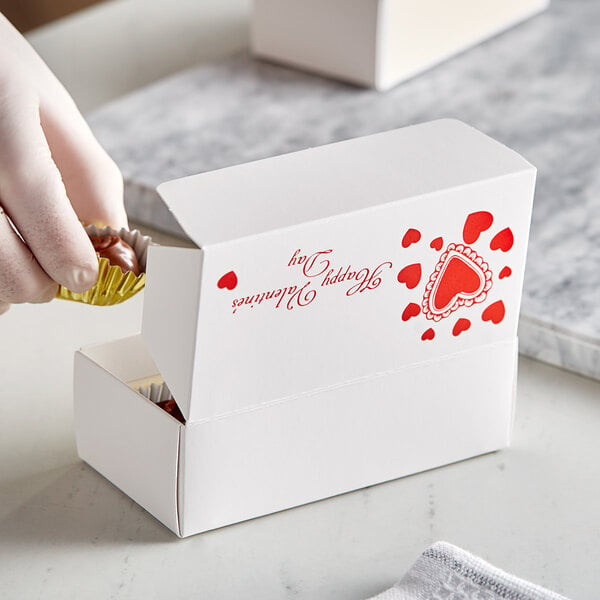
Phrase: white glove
x=53 y=176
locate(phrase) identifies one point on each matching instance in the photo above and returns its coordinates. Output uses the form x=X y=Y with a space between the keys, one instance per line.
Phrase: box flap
x=274 y=193
x=170 y=316
x=324 y=267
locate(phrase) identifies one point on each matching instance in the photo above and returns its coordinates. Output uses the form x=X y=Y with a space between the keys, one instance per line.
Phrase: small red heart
x=460 y=326
x=411 y=310
x=229 y=281
x=503 y=240
x=506 y=272
x=494 y=312
x=412 y=236
x=475 y=225
x=428 y=335
x=437 y=243
x=410 y=275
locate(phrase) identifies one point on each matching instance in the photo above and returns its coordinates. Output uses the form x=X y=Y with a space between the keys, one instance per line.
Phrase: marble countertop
x=67 y=533
x=535 y=88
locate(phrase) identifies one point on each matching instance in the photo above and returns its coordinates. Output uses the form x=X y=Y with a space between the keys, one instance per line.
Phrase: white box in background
x=377 y=43
x=349 y=317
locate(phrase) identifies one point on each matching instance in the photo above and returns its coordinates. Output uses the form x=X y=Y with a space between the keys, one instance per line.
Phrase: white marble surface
x=65 y=532
x=536 y=88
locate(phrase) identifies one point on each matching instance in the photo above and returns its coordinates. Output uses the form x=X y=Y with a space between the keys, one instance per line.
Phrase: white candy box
x=377 y=43
x=348 y=317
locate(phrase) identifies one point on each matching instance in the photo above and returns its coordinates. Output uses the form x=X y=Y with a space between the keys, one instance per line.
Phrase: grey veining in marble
x=535 y=88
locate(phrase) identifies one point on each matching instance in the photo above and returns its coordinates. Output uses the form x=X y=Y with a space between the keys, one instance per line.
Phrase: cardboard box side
x=380 y=75
x=513 y=406
x=268 y=352
x=528 y=184
x=126 y=359
x=266 y=460
x=170 y=316
x=332 y=37
x=318 y=183
x=411 y=41
x=126 y=438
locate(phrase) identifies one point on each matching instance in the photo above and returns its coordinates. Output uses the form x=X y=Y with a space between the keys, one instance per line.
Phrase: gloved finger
x=21 y=277
x=93 y=181
x=33 y=194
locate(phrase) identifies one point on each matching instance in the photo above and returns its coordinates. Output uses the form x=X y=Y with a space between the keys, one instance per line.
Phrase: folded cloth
x=445 y=572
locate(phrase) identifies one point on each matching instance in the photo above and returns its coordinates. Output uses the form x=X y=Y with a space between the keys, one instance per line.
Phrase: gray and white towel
x=445 y=572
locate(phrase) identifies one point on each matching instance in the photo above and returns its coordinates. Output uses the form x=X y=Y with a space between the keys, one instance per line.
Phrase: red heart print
x=437 y=243
x=229 y=281
x=494 y=312
x=410 y=275
x=506 y=272
x=475 y=225
x=503 y=240
x=428 y=335
x=411 y=310
x=460 y=326
x=412 y=236
x=460 y=278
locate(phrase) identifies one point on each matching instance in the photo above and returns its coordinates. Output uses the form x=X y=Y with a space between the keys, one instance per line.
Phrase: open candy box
x=348 y=317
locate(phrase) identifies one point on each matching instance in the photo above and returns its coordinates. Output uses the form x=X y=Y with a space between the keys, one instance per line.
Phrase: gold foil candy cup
x=113 y=285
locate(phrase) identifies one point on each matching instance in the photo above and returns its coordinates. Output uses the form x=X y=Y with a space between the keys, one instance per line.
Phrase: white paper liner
x=135 y=384
x=156 y=392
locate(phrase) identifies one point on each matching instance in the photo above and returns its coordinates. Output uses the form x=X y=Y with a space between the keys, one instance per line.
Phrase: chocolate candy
x=118 y=252
x=171 y=407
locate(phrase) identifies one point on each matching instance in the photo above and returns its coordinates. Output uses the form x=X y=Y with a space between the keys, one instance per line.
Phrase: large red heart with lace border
x=460 y=278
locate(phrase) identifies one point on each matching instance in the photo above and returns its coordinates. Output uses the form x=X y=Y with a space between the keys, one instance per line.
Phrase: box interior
x=128 y=361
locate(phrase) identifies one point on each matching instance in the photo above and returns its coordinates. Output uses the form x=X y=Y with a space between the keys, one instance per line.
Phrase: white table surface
x=65 y=532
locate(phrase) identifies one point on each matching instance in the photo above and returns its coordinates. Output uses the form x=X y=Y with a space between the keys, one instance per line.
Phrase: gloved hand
x=53 y=175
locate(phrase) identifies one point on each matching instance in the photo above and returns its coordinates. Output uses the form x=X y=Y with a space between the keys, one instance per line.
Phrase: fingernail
x=82 y=279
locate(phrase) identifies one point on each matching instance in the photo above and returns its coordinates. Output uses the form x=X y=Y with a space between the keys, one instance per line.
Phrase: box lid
x=291 y=189
x=230 y=326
